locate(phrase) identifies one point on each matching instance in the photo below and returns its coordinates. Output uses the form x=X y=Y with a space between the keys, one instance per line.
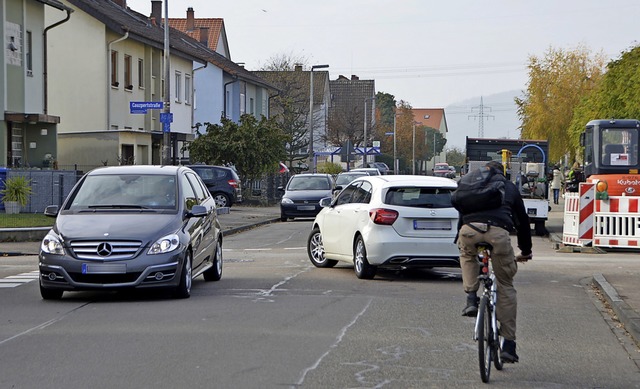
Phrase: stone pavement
x=622 y=290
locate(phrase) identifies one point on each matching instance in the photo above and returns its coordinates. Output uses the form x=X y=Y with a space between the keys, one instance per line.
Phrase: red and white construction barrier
x=578 y=216
x=617 y=222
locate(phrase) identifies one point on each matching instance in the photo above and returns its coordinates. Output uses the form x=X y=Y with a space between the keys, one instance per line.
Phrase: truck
x=525 y=162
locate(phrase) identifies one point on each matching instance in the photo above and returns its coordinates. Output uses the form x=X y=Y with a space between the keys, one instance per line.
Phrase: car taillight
x=233 y=183
x=383 y=216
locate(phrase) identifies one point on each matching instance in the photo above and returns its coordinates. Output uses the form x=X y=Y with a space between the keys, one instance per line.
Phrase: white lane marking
x=20 y=279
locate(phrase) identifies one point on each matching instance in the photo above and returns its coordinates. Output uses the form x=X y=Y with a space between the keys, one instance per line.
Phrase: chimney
x=156 y=10
x=191 y=24
x=121 y=3
x=354 y=77
x=204 y=35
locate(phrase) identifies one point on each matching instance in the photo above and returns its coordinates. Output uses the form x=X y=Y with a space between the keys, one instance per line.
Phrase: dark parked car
x=223 y=183
x=132 y=227
x=302 y=195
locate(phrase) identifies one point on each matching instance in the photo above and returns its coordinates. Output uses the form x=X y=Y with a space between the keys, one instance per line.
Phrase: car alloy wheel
x=315 y=250
x=221 y=200
x=215 y=272
x=361 y=265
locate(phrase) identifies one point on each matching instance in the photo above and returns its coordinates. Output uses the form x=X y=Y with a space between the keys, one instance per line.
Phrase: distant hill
x=500 y=118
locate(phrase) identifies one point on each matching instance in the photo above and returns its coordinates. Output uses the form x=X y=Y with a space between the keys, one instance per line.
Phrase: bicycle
x=486 y=329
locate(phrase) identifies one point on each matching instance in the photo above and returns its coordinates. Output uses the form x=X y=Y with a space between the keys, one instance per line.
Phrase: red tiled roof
x=215 y=26
x=430 y=117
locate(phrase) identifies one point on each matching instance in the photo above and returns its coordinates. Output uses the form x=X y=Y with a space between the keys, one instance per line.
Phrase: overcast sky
x=431 y=53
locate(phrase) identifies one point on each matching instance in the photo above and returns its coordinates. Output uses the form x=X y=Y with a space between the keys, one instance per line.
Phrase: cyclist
x=494 y=226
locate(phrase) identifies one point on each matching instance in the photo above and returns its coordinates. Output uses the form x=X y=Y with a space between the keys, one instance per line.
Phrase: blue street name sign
x=143 y=106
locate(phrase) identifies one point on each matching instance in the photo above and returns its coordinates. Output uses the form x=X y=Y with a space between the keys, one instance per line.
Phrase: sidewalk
x=239 y=218
x=621 y=290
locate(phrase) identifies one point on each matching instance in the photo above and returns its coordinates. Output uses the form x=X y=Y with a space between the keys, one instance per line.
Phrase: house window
x=178 y=86
x=243 y=98
x=140 y=73
x=114 y=69
x=29 y=53
x=187 y=89
x=127 y=72
x=251 y=106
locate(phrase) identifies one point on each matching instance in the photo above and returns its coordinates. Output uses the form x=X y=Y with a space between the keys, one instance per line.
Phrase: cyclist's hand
x=524 y=258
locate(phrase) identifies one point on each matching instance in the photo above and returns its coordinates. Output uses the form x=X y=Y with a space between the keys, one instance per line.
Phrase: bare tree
x=290 y=106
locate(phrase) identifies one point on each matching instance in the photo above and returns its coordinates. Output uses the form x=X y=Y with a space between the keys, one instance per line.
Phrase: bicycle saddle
x=486 y=245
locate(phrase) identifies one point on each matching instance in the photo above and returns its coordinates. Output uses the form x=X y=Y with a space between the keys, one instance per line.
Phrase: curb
x=627 y=316
x=237 y=230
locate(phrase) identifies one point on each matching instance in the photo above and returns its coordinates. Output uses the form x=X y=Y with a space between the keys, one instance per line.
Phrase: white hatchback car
x=393 y=222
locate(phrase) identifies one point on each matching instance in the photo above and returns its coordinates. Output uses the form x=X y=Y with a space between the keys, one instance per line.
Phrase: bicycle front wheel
x=484 y=338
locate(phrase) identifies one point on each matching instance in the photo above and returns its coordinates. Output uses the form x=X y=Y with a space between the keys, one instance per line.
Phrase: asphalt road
x=276 y=321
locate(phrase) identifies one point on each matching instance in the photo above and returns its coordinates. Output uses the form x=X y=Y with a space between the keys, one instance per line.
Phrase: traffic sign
x=166 y=117
x=166 y=127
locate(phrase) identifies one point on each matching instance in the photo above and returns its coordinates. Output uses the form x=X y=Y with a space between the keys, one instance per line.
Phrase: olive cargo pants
x=504 y=266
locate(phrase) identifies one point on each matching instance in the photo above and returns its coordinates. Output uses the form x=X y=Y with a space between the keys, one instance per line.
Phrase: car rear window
x=309 y=183
x=419 y=197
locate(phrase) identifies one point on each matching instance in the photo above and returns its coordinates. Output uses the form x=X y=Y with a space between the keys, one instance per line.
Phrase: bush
x=17 y=188
x=329 y=168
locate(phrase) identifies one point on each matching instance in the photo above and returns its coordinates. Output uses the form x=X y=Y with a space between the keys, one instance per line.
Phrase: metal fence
x=51 y=187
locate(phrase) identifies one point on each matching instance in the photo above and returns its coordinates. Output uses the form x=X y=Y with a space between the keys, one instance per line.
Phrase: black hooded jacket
x=511 y=216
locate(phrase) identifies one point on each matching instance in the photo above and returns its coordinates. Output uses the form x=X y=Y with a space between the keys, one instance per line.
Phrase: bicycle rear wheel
x=484 y=339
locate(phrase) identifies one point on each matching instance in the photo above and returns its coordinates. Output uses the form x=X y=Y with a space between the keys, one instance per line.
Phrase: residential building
x=434 y=118
x=223 y=88
x=102 y=63
x=28 y=126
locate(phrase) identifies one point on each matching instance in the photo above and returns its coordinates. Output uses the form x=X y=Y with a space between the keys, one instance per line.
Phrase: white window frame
x=187 y=89
x=178 y=86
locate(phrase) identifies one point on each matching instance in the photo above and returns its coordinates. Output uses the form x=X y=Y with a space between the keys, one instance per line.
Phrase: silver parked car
x=393 y=222
x=132 y=227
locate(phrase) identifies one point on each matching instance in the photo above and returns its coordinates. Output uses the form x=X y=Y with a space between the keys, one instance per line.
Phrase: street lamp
x=312 y=155
x=395 y=161
x=413 y=151
x=365 y=128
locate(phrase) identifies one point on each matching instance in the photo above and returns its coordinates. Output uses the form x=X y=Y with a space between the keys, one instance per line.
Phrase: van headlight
x=166 y=244
x=52 y=244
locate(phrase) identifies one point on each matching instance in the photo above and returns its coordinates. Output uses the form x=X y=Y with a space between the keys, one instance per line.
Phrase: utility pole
x=166 y=134
x=481 y=116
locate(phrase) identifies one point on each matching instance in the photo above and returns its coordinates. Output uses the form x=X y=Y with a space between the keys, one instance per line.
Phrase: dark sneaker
x=508 y=354
x=471 y=309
